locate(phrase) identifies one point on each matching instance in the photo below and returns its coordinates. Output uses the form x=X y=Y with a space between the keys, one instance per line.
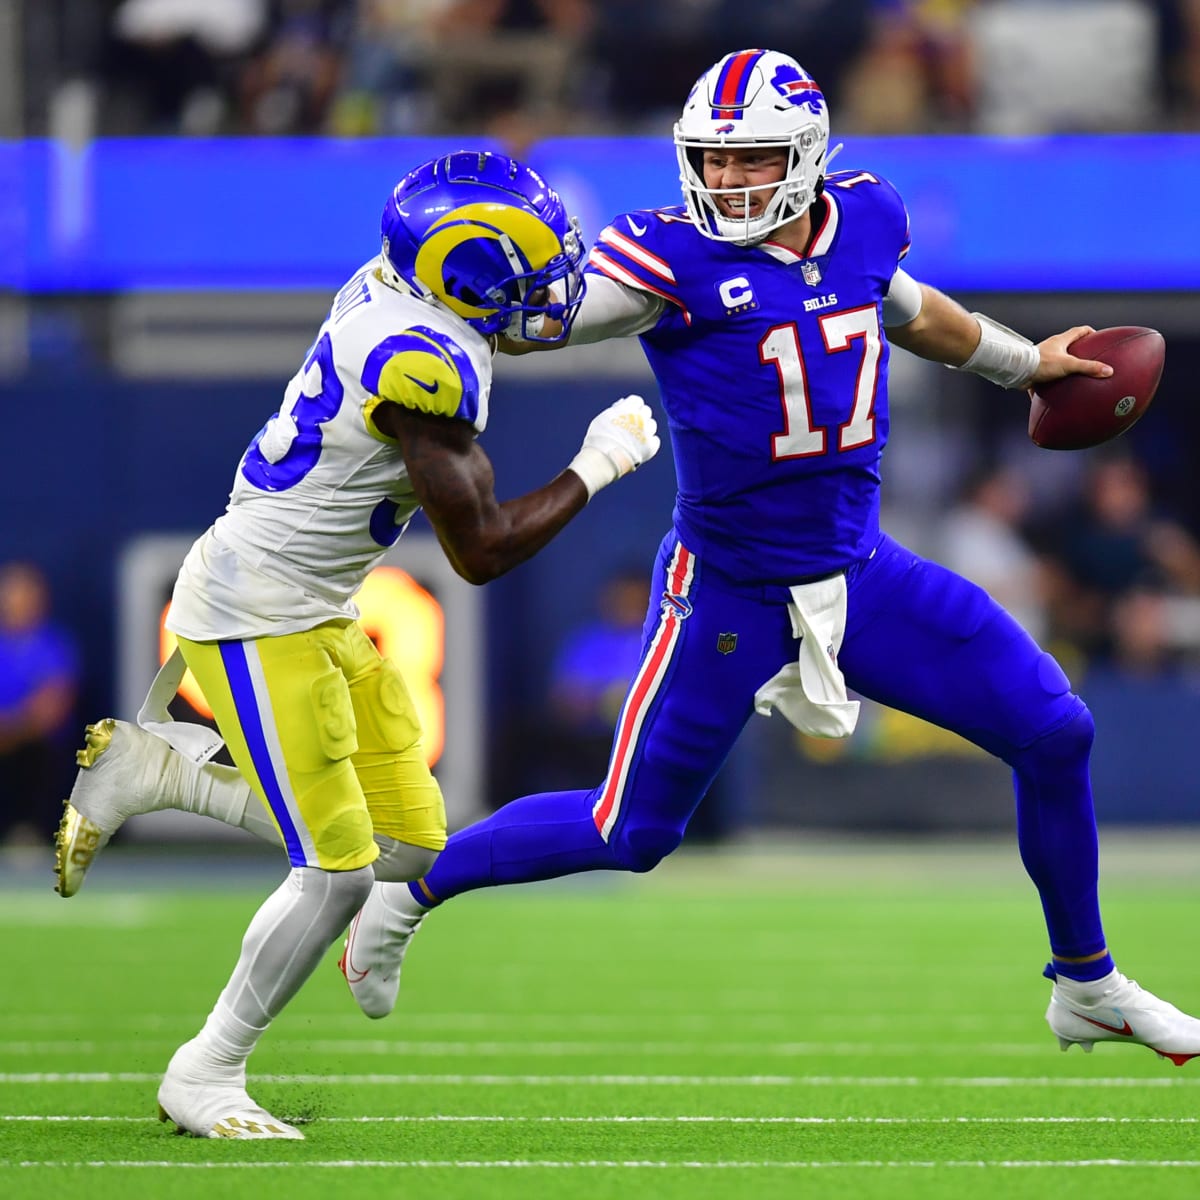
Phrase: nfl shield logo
x=811 y=273
x=726 y=642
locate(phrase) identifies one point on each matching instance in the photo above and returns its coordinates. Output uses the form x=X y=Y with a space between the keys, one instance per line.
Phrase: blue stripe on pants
x=245 y=702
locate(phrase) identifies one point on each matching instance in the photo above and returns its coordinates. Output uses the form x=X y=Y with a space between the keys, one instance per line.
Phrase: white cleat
x=376 y=943
x=1116 y=1009
x=207 y=1103
x=120 y=774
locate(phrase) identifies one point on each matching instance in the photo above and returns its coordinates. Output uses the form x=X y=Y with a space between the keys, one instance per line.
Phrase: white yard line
x=491 y=1119
x=379 y=1047
x=610 y=1164
x=301 y=1026
x=122 y=910
x=850 y=1081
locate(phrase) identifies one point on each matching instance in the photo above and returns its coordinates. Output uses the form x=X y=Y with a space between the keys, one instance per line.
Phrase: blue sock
x=1056 y=833
x=1081 y=972
x=536 y=837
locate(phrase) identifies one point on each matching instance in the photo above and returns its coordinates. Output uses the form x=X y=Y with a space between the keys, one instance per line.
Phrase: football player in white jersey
x=381 y=419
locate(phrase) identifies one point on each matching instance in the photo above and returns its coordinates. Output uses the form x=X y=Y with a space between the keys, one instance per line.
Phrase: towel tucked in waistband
x=811 y=692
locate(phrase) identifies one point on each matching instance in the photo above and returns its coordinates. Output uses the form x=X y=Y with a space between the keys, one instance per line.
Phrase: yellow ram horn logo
x=533 y=237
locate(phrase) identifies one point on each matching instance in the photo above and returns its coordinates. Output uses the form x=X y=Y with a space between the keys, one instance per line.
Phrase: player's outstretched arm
x=547 y=329
x=609 y=310
x=943 y=331
x=454 y=481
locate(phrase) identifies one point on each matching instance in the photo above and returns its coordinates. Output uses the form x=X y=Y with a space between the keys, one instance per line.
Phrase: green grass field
x=837 y=1021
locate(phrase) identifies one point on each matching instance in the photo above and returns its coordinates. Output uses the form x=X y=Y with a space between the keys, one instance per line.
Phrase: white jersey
x=321 y=493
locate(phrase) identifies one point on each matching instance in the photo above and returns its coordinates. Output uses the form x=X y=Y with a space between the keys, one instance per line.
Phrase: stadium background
x=846 y=1012
x=185 y=184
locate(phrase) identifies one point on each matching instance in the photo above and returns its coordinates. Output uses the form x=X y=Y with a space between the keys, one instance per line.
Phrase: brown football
x=1077 y=412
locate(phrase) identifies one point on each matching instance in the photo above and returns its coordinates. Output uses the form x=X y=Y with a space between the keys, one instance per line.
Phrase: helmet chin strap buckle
x=397 y=282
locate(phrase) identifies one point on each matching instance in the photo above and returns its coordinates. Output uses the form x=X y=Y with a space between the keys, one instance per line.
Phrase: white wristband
x=1002 y=356
x=595 y=468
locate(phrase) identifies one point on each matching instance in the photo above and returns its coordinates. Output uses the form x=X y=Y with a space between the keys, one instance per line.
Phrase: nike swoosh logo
x=1122 y=1030
x=428 y=387
x=347 y=968
x=634 y=228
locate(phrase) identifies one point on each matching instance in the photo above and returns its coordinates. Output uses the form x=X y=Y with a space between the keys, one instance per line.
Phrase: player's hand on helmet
x=618 y=441
x=541 y=328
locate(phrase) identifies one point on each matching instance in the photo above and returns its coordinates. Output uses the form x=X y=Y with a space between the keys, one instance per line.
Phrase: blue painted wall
x=87 y=461
x=989 y=214
x=90 y=462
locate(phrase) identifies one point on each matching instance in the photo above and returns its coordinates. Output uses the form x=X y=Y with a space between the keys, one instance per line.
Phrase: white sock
x=220 y=792
x=282 y=946
x=1088 y=990
x=399 y=898
x=225 y=1040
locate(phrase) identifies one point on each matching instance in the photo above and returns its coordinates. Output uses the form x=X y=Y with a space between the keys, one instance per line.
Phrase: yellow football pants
x=324 y=730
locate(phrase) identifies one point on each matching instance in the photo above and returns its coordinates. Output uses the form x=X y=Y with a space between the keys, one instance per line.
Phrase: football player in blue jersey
x=380 y=420
x=762 y=305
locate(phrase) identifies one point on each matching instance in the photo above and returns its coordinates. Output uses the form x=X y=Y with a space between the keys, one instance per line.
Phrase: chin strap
x=390 y=277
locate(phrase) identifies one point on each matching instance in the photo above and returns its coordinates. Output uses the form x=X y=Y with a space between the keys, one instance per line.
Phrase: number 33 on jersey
x=378 y=343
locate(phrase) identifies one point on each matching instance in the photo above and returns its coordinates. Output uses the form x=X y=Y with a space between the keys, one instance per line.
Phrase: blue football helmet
x=486 y=236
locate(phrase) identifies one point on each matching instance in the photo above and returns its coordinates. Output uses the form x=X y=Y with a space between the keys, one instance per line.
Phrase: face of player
x=759 y=168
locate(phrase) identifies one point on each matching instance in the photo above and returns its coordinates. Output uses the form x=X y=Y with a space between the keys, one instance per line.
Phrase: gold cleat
x=210 y=1101
x=98 y=738
x=79 y=839
x=247 y=1123
x=76 y=845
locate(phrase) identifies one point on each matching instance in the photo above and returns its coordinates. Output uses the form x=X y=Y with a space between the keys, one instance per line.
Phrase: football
x=1077 y=412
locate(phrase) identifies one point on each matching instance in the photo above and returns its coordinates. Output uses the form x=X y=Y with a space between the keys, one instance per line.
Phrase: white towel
x=811 y=692
x=197 y=742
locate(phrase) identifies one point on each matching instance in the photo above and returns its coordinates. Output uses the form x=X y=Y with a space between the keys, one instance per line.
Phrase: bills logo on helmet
x=799 y=89
x=728 y=127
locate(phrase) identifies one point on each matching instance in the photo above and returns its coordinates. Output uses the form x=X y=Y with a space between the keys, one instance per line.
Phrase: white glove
x=618 y=441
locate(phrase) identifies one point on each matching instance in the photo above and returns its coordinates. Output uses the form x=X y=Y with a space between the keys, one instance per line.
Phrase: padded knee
x=400 y=862
x=387 y=717
x=1068 y=744
x=641 y=848
x=347 y=889
x=403 y=798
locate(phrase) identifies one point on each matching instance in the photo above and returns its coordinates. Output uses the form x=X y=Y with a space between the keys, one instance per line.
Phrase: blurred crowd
x=39 y=682
x=1105 y=573
x=524 y=69
x=1110 y=580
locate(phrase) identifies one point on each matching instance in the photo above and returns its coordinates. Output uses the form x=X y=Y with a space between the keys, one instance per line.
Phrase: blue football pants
x=918 y=638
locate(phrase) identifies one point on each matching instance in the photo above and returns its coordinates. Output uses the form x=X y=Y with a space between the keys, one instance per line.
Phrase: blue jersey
x=772 y=369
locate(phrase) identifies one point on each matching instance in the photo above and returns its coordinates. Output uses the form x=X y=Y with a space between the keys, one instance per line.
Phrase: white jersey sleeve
x=611 y=309
x=903 y=300
x=321 y=492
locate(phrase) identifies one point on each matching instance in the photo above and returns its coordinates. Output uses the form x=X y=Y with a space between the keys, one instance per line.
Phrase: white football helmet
x=753 y=98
